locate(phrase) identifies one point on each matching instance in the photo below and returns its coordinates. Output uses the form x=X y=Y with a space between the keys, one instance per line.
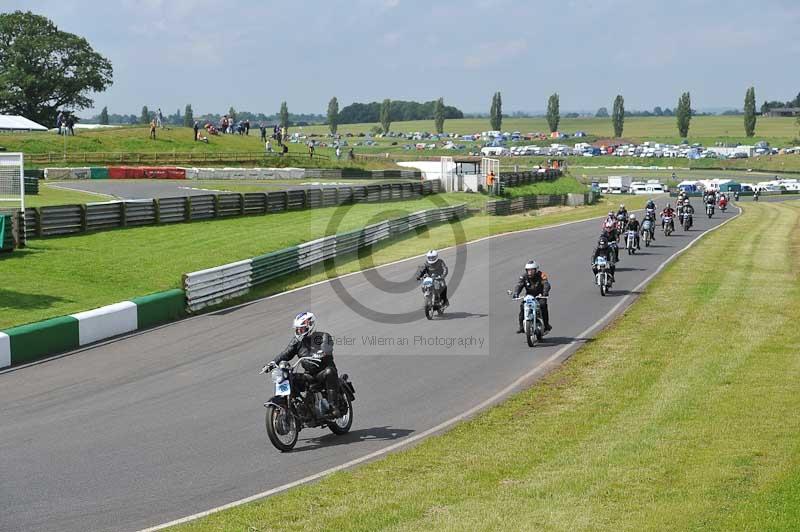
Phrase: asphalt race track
x=151 y=188
x=169 y=422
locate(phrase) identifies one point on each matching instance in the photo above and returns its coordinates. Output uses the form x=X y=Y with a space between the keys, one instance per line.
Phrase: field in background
x=647 y=427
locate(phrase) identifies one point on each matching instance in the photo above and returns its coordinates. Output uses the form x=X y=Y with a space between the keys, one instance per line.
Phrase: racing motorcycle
x=432 y=286
x=300 y=402
x=602 y=278
x=687 y=220
x=532 y=321
x=630 y=241
x=647 y=226
x=710 y=209
x=669 y=225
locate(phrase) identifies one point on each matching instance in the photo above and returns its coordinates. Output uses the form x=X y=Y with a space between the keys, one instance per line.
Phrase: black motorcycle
x=299 y=402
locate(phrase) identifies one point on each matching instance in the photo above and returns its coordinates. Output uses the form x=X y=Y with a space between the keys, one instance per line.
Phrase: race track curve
x=169 y=422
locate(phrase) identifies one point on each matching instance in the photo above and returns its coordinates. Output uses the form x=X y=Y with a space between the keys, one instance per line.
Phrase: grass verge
x=681 y=415
x=52 y=194
x=57 y=276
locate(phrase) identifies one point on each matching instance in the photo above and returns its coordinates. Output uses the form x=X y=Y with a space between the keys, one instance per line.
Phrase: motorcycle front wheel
x=529 y=335
x=341 y=425
x=603 y=288
x=282 y=428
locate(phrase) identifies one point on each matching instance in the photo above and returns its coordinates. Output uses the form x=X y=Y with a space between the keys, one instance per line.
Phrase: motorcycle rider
x=668 y=211
x=650 y=214
x=688 y=210
x=308 y=342
x=633 y=225
x=710 y=200
x=434 y=266
x=603 y=249
x=623 y=211
x=535 y=284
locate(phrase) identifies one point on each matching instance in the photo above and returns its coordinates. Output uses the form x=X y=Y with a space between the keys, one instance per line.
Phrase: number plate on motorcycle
x=283 y=388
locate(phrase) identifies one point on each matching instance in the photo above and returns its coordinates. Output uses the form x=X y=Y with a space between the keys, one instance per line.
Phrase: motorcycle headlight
x=277 y=375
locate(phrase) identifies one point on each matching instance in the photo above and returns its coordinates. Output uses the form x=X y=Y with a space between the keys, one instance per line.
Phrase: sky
x=253 y=54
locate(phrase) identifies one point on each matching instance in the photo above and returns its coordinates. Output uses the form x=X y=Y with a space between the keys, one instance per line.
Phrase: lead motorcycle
x=432 y=286
x=532 y=321
x=300 y=402
x=647 y=231
x=602 y=278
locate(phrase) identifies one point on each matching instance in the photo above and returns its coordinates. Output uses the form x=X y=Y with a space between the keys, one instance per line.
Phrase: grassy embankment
x=57 y=276
x=704 y=129
x=683 y=415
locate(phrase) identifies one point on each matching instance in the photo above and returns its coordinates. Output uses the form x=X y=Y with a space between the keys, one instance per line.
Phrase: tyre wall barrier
x=527 y=203
x=213 y=286
x=34 y=341
x=60 y=220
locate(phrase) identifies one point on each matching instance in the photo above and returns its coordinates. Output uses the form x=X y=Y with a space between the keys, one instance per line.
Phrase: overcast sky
x=252 y=54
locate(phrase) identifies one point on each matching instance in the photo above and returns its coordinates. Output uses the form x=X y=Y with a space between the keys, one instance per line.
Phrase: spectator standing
x=196 y=129
x=310 y=149
x=60 y=121
x=338 y=153
x=70 y=125
x=351 y=155
x=153 y=129
x=285 y=149
x=268 y=145
x=160 y=118
x=247 y=127
x=263 y=129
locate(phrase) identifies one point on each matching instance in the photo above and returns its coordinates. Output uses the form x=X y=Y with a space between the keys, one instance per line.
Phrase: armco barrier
x=176 y=172
x=214 y=285
x=58 y=220
x=34 y=341
x=515 y=179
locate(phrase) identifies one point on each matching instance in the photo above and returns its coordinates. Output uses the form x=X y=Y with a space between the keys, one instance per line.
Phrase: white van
x=489 y=151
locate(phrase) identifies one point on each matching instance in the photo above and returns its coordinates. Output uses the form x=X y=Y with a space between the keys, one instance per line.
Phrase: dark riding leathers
x=611 y=236
x=438 y=268
x=322 y=372
x=535 y=286
x=608 y=255
x=633 y=225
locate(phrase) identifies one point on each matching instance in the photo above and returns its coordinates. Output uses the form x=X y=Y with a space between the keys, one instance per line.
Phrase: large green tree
x=144 y=118
x=553 y=112
x=601 y=113
x=333 y=115
x=284 y=115
x=750 y=112
x=683 y=114
x=232 y=114
x=104 y=116
x=496 y=112
x=188 y=116
x=44 y=69
x=439 y=115
x=386 y=115
x=618 y=115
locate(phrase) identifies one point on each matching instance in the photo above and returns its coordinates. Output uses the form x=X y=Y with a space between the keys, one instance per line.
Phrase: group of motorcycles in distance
x=622 y=226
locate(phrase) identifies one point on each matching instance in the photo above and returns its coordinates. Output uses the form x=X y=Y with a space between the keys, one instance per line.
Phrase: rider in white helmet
x=533 y=283
x=308 y=342
x=435 y=266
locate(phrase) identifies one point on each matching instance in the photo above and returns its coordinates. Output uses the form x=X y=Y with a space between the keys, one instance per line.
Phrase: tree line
x=399 y=110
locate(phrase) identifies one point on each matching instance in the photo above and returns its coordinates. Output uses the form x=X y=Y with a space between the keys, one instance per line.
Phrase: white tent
x=19 y=123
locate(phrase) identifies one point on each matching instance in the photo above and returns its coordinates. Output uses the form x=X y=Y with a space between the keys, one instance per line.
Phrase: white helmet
x=304 y=324
x=532 y=265
x=432 y=256
x=632 y=216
